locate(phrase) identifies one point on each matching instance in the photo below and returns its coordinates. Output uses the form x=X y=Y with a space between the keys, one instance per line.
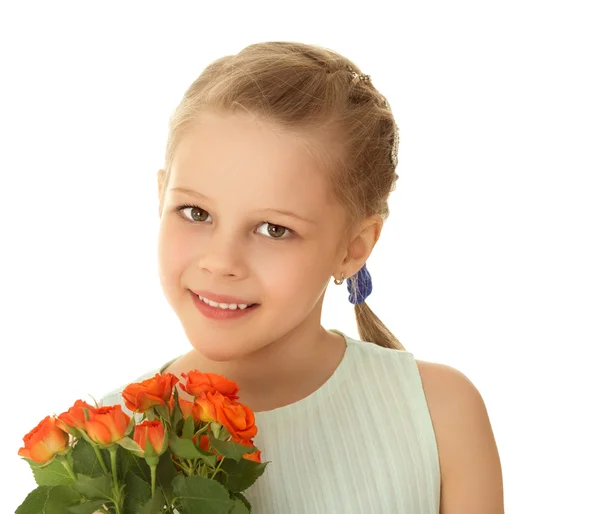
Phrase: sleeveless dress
x=363 y=443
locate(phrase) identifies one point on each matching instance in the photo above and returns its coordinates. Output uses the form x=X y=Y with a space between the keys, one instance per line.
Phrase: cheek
x=296 y=275
x=174 y=251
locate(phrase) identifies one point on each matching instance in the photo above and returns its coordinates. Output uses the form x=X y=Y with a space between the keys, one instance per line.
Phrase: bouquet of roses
x=172 y=456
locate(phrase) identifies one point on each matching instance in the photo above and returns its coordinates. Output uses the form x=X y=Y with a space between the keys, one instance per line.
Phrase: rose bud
x=155 y=391
x=107 y=425
x=44 y=441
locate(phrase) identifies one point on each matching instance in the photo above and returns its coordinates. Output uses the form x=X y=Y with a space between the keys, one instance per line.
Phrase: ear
x=161 y=178
x=361 y=244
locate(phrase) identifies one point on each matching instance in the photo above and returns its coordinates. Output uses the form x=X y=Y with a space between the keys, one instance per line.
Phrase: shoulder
x=469 y=462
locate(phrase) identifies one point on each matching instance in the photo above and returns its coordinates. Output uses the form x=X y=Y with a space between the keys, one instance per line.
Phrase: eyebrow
x=200 y=196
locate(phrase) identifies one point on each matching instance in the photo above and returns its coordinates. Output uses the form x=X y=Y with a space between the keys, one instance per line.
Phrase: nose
x=222 y=255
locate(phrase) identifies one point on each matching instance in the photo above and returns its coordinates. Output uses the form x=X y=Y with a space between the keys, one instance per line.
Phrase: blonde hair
x=302 y=88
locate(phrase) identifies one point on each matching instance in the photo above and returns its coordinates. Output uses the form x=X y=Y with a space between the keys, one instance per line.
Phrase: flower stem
x=187 y=467
x=153 y=477
x=67 y=466
x=116 y=491
x=217 y=469
x=99 y=456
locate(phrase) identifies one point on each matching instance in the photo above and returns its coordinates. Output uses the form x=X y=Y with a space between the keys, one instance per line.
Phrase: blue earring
x=360 y=286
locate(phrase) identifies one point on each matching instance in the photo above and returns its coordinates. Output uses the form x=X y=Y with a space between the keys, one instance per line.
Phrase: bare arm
x=469 y=460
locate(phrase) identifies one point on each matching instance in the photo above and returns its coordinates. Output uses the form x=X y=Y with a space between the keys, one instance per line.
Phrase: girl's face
x=246 y=215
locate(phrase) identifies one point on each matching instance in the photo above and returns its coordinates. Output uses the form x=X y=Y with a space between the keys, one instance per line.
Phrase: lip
x=221 y=298
x=222 y=315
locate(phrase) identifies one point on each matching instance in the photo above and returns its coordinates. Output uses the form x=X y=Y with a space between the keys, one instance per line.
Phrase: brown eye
x=274 y=231
x=196 y=213
x=199 y=214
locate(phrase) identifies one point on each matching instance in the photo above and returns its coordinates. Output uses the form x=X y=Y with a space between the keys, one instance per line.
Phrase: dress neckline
x=323 y=391
x=319 y=394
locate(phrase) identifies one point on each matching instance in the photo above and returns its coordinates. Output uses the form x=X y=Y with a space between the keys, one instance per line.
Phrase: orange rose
x=237 y=419
x=44 y=441
x=198 y=383
x=187 y=408
x=234 y=416
x=107 y=425
x=139 y=397
x=205 y=442
x=205 y=407
x=75 y=417
x=153 y=431
x=255 y=456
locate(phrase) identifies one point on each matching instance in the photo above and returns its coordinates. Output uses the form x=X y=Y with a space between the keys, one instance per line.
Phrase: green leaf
x=243 y=499
x=125 y=461
x=216 y=428
x=230 y=449
x=154 y=505
x=35 y=501
x=184 y=448
x=242 y=474
x=89 y=507
x=139 y=467
x=188 y=428
x=162 y=411
x=52 y=474
x=85 y=461
x=131 y=425
x=95 y=488
x=138 y=492
x=165 y=473
x=177 y=415
x=208 y=458
x=198 y=494
x=130 y=445
x=48 y=500
x=62 y=496
x=239 y=507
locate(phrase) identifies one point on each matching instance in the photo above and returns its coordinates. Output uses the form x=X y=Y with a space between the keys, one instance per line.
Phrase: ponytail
x=372 y=329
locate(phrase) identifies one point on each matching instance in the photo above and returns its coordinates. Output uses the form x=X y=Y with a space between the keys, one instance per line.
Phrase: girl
x=279 y=163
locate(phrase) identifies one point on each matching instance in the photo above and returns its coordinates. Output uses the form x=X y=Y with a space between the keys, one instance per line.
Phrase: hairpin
x=356 y=77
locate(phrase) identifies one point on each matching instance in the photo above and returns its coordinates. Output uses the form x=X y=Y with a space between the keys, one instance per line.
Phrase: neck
x=284 y=371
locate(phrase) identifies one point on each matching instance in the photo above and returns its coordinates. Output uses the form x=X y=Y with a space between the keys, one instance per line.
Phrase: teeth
x=225 y=306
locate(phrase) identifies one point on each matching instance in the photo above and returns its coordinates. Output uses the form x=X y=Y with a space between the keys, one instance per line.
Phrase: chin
x=220 y=348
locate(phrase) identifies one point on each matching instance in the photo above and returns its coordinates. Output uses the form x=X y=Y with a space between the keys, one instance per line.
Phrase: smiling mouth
x=227 y=306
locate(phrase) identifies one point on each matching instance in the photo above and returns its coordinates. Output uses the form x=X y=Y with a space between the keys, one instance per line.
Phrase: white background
x=489 y=261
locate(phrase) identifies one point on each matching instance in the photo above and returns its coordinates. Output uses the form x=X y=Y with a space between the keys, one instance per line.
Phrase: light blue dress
x=362 y=443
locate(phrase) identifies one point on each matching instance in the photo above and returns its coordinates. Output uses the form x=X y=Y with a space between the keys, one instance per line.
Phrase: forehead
x=240 y=158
